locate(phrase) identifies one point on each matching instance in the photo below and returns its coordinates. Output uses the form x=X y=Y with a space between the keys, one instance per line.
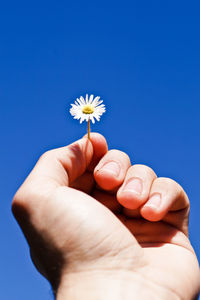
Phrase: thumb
x=74 y=159
x=61 y=166
x=55 y=168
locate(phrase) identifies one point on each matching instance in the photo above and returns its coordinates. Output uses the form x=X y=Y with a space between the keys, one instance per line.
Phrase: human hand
x=88 y=241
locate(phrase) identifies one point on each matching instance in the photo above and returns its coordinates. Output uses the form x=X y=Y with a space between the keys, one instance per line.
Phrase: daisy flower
x=87 y=109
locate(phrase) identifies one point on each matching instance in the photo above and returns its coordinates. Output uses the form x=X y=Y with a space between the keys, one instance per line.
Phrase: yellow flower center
x=88 y=109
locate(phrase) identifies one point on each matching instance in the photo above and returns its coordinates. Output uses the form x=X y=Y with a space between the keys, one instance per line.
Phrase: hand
x=94 y=228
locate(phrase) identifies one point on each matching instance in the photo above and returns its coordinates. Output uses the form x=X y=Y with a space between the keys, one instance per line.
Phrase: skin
x=100 y=228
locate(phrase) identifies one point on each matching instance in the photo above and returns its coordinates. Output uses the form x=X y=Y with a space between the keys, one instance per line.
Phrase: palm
x=165 y=247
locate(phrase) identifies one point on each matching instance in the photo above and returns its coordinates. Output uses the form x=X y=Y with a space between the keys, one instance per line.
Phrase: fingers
x=66 y=164
x=143 y=194
x=165 y=195
x=60 y=167
x=111 y=170
x=136 y=187
x=79 y=156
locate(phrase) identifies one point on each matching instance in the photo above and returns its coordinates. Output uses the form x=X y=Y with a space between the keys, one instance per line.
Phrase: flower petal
x=91 y=99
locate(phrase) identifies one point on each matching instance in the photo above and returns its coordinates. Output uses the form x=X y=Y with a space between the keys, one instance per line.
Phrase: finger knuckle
x=114 y=153
x=19 y=204
x=168 y=181
x=46 y=155
x=145 y=169
x=117 y=152
x=171 y=183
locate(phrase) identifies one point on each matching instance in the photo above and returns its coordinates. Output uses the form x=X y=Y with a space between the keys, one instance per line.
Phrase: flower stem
x=88 y=129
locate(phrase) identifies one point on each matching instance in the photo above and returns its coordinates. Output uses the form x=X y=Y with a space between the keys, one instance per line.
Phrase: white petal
x=99 y=102
x=81 y=119
x=102 y=105
x=79 y=102
x=99 y=108
x=102 y=110
x=82 y=100
x=95 y=101
x=91 y=99
x=97 y=117
x=86 y=99
x=74 y=106
x=92 y=119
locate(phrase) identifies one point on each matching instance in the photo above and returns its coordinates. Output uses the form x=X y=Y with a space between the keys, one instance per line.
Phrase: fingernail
x=112 y=168
x=134 y=185
x=154 y=201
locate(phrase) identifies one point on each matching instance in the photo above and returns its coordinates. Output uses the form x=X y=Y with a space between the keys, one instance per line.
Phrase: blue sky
x=141 y=57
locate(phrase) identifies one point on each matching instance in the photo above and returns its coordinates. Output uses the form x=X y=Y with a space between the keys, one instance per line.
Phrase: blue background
x=141 y=57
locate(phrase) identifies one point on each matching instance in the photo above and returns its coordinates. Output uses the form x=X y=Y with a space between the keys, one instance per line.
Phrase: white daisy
x=87 y=109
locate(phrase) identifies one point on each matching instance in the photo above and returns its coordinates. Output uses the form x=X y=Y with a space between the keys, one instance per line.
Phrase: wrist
x=118 y=285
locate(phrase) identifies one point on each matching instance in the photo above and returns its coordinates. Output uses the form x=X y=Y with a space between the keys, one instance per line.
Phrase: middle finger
x=136 y=187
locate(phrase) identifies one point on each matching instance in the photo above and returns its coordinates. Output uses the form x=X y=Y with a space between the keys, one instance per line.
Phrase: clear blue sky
x=141 y=57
